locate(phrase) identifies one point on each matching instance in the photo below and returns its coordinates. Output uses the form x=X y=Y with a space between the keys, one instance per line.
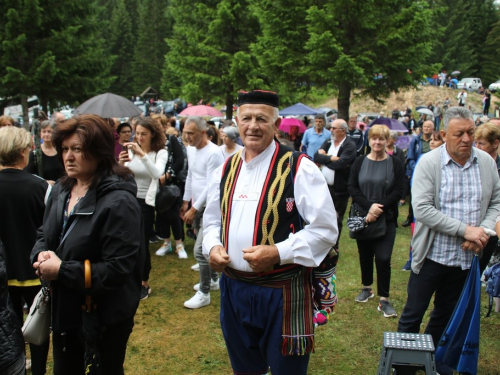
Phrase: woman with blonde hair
x=376 y=185
x=6 y=121
x=22 y=203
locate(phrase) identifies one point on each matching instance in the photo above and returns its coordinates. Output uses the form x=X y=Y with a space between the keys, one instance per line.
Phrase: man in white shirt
x=269 y=218
x=203 y=158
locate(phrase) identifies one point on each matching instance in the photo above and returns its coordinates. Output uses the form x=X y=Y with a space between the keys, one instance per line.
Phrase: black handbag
x=369 y=231
x=166 y=197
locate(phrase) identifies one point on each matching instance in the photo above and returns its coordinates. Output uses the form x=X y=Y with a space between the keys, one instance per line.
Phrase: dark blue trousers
x=251 y=320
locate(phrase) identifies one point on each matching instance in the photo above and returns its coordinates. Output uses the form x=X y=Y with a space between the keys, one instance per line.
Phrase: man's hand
x=334 y=158
x=470 y=246
x=190 y=215
x=218 y=258
x=261 y=258
x=477 y=236
x=321 y=151
x=183 y=209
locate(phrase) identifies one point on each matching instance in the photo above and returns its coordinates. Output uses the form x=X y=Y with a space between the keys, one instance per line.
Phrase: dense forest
x=66 y=52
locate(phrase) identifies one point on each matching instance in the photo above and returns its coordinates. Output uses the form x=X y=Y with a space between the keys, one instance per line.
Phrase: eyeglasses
x=126 y=131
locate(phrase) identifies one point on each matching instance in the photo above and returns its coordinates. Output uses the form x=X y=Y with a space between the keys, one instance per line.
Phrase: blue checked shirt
x=460 y=198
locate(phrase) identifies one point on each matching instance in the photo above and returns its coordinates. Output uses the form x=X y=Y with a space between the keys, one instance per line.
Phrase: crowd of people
x=266 y=209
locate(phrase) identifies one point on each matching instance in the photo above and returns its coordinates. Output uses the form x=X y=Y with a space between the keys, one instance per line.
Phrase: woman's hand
x=164 y=178
x=136 y=149
x=371 y=218
x=376 y=209
x=47 y=268
x=123 y=157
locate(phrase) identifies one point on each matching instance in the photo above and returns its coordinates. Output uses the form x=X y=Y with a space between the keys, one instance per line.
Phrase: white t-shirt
x=201 y=164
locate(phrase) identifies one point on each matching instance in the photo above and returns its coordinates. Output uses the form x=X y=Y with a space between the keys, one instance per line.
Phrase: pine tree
x=349 y=44
x=122 y=44
x=150 y=48
x=52 y=51
x=209 y=55
x=490 y=71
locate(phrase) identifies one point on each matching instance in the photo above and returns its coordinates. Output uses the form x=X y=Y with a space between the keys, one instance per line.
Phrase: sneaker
x=165 y=249
x=365 y=295
x=153 y=239
x=195 y=267
x=198 y=300
x=145 y=292
x=407 y=266
x=387 y=308
x=181 y=252
x=214 y=285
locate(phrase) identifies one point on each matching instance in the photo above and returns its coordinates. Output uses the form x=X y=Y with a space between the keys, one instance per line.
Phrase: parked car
x=330 y=113
x=495 y=86
x=472 y=84
x=371 y=115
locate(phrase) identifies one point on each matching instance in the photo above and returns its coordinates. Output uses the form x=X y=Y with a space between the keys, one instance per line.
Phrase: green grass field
x=170 y=339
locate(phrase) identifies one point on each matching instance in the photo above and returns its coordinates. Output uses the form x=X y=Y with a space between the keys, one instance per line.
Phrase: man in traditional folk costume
x=270 y=219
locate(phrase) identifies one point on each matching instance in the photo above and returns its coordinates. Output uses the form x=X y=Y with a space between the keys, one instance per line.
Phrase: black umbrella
x=108 y=106
x=91 y=329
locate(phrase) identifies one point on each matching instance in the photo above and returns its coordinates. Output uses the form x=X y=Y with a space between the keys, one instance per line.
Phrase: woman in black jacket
x=376 y=185
x=91 y=214
x=12 y=358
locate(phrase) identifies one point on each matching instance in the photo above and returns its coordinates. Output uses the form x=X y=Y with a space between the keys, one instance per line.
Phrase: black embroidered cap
x=258 y=97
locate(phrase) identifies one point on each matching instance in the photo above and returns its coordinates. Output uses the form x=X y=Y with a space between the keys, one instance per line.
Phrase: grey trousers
x=206 y=273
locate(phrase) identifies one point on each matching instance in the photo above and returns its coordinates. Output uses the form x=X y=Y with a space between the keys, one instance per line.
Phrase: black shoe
x=145 y=292
x=407 y=223
x=153 y=239
x=190 y=233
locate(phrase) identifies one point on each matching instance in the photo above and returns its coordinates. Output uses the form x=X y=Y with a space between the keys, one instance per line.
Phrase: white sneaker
x=214 y=285
x=195 y=267
x=165 y=249
x=181 y=252
x=198 y=300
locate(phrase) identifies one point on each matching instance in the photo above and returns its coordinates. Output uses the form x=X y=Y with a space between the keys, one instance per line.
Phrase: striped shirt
x=460 y=198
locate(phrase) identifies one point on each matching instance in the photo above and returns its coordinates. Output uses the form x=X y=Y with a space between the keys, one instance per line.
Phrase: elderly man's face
x=257 y=126
x=459 y=139
x=352 y=123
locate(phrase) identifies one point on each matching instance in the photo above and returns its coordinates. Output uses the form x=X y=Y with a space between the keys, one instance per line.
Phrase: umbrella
x=299 y=109
x=458 y=348
x=91 y=329
x=390 y=123
x=286 y=123
x=455 y=73
x=200 y=110
x=403 y=142
x=109 y=105
x=360 y=125
x=425 y=111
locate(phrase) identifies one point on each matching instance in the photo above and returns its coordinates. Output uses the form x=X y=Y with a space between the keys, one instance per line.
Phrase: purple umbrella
x=390 y=123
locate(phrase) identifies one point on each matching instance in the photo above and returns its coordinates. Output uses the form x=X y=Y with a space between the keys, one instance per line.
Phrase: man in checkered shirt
x=455 y=194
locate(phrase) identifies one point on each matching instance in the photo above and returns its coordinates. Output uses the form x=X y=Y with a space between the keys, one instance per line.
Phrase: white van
x=472 y=84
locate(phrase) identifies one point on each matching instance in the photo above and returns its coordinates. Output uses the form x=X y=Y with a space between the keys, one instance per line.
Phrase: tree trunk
x=344 y=101
x=229 y=105
x=26 y=117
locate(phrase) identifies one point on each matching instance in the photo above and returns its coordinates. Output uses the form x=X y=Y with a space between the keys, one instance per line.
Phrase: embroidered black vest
x=277 y=214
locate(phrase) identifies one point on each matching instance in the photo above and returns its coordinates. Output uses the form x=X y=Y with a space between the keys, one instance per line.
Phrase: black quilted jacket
x=11 y=338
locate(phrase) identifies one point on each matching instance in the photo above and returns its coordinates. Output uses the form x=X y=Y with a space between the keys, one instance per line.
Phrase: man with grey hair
x=203 y=159
x=456 y=194
x=57 y=118
x=336 y=156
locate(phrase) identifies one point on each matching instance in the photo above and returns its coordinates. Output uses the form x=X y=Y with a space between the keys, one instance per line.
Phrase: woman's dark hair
x=213 y=134
x=98 y=143
x=158 y=138
x=123 y=125
x=437 y=136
